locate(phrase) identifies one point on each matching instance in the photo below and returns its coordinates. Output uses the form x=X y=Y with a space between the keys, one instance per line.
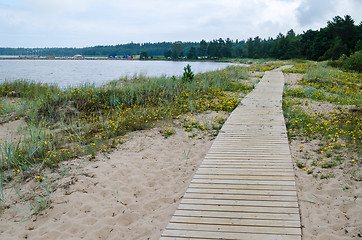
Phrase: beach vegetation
x=81 y=122
x=352 y=63
x=188 y=75
x=325 y=106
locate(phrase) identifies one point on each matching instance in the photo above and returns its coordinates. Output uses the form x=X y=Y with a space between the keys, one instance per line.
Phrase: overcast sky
x=81 y=23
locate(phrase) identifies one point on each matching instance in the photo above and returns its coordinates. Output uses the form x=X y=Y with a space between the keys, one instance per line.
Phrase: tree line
x=340 y=37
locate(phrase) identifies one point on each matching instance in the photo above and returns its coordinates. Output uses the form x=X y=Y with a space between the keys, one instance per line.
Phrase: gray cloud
x=69 y=23
x=315 y=14
x=311 y=11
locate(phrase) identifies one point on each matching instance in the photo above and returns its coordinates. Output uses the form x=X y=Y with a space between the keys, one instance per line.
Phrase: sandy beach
x=128 y=194
x=132 y=192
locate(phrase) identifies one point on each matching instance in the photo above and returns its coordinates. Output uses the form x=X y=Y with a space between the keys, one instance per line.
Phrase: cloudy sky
x=81 y=23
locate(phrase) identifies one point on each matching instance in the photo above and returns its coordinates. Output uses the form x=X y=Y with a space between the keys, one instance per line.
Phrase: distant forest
x=340 y=36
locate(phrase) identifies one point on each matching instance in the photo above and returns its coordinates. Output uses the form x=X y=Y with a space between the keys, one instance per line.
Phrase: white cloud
x=46 y=23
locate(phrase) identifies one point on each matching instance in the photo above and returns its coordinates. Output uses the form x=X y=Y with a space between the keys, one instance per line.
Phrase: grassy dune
x=325 y=105
x=62 y=124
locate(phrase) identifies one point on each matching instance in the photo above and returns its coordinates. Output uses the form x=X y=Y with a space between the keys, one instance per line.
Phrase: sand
x=132 y=192
x=330 y=208
x=128 y=194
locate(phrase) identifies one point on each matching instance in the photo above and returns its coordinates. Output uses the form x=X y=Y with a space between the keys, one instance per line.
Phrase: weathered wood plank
x=242 y=208
x=246 y=163
x=240 y=170
x=251 y=156
x=244 y=172
x=226 y=235
x=245 y=166
x=239 y=202
x=244 y=182
x=240 y=197
x=251 y=191
x=243 y=187
x=235 y=221
x=234 y=228
x=241 y=177
x=239 y=215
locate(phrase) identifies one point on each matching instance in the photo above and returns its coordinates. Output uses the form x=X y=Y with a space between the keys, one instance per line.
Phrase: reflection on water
x=75 y=72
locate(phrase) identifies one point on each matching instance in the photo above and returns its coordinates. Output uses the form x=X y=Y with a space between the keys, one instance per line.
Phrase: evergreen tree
x=144 y=55
x=168 y=54
x=203 y=48
x=192 y=53
x=177 y=50
x=344 y=29
x=213 y=49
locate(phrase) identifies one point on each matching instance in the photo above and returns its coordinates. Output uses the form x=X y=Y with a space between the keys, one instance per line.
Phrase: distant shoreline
x=157 y=58
x=61 y=58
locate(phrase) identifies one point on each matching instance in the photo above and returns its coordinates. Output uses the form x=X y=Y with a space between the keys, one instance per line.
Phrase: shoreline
x=247 y=62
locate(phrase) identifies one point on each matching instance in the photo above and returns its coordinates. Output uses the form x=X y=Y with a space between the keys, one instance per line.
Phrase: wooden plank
x=243 y=182
x=252 y=143
x=250 y=159
x=246 y=166
x=236 y=221
x=246 y=163
x=250 y=191
x=245 y=144
x=258 y=139
x=239 y=215
x=249 y=155
x=243 y=208
x=262 y=158
x=233 y=150
x=243 y=187
x=224 y=138
x=244 y=172
x=243 y=147
x=223 y=202
x=241 y=177
x=226 y=235
x=240 y=170
x=233 y=228
x=251 y=151
x=239 y=197
x=249 y=145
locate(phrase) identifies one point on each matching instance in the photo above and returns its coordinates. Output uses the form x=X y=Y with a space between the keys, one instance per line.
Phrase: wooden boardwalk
x=245 y=186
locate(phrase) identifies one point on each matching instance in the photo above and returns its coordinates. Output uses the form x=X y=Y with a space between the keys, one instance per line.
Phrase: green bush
x=354 y=62
x=188 y=75
x=338 y=63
